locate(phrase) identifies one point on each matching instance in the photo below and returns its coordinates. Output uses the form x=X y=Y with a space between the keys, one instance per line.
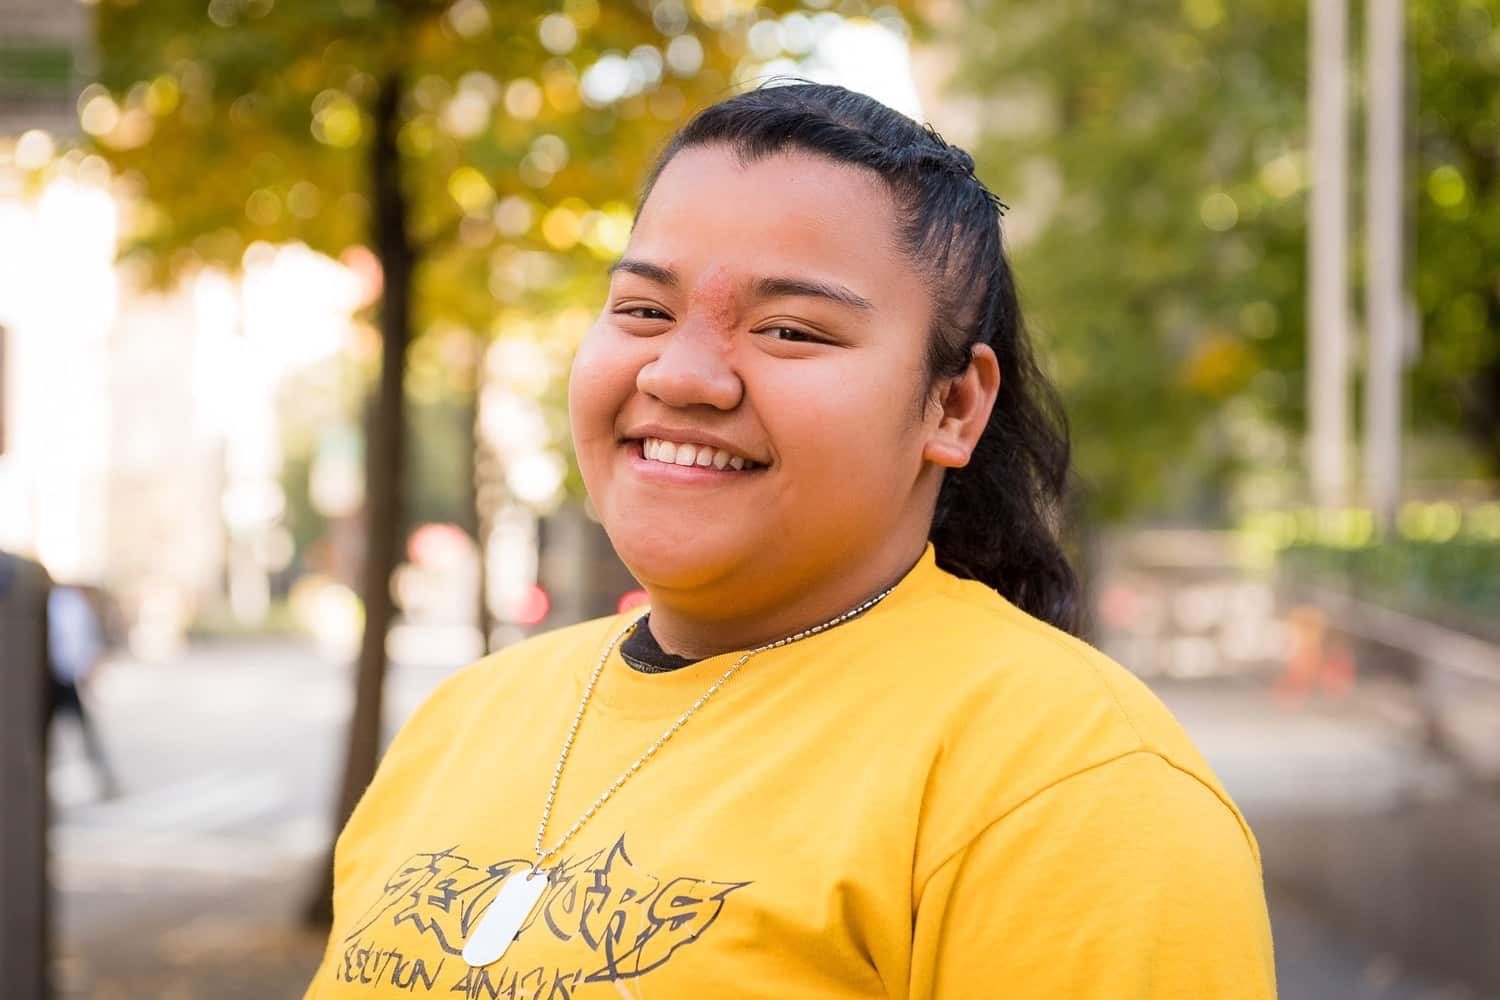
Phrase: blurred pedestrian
x=76 y=646
x=853 y=747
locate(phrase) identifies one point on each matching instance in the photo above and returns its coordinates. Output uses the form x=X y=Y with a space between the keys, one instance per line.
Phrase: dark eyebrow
x=777 y=287
x=765 y=288
x=651 y=272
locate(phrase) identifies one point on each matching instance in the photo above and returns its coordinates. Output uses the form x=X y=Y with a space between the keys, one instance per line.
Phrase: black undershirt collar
x=642 y=652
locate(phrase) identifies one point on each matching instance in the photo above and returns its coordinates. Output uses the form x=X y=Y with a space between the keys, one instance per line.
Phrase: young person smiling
x=853 y=749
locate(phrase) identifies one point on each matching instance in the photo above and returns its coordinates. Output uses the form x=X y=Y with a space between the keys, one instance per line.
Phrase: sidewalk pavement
x=205 y=938
x=1381 y=856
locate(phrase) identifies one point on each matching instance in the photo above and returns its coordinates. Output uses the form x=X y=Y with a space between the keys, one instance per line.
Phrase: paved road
x=187 y=884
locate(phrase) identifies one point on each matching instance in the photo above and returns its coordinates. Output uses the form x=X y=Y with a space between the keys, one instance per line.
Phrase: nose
x=693 y=368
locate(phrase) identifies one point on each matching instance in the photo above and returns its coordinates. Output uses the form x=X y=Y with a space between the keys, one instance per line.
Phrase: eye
x=642 y=312
x=792 y=334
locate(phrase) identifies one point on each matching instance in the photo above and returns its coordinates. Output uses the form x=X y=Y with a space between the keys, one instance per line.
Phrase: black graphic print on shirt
x=625 y=922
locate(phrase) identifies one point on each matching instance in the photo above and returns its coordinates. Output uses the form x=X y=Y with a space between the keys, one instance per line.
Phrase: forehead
x=793 y=212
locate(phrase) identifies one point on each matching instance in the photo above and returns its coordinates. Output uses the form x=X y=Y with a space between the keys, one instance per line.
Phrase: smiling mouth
x=700 y=455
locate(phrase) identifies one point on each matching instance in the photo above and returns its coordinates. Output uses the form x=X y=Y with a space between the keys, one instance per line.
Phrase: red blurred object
x=632 y=599
x=366 y=266
x=533 y=607
x=1118 y=606
x=439 y=545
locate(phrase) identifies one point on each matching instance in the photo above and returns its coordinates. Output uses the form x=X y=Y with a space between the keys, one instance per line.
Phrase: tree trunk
x=1482 y=409
x=384 y=465
x=478 y=519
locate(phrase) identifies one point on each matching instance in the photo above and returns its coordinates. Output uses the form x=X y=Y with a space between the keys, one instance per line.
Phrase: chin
x=661 y=561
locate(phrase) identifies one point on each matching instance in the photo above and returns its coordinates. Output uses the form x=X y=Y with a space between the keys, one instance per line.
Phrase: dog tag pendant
x=501 y=923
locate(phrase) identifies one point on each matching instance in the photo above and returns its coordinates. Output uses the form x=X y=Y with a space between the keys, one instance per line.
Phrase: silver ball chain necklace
x=522 y=890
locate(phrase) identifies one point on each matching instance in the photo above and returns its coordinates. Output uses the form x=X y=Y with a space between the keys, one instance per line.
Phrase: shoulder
x=500 y=682
x=538 y=658
x=1029 y=707
x=459 y=714
x=998 y=658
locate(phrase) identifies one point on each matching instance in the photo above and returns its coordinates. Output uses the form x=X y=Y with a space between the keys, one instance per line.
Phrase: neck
x=696 y=628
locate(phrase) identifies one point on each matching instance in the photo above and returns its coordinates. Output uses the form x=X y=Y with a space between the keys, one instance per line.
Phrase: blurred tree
x=1156 y=151
x=481 y=155
x=1454 y=177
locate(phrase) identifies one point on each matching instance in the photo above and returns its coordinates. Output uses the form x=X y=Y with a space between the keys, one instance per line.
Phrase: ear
x=966 y=403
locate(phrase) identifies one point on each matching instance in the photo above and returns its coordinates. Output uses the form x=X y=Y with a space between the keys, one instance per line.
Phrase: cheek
x=601 y=380
x=855 y=426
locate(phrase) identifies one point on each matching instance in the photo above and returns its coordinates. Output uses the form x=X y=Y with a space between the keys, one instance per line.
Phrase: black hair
x=998 y=519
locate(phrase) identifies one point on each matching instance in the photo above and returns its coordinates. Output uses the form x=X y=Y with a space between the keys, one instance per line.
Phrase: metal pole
x=25 y=695
x=1328 y=224
x=1385 y=309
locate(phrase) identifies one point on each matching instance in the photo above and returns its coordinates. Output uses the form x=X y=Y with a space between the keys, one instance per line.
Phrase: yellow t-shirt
x=944 y=798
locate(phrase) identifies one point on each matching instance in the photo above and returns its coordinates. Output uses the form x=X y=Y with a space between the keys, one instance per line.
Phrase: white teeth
x=703 y=456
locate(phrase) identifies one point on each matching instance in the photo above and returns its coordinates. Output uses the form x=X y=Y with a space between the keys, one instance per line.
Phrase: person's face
x=762 y=315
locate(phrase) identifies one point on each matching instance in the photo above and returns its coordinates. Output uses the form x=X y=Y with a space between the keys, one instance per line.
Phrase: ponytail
x=999 y=518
